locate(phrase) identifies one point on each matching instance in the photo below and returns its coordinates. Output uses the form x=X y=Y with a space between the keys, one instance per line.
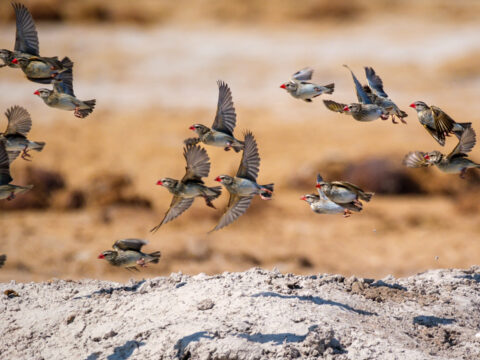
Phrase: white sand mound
x=256 y=314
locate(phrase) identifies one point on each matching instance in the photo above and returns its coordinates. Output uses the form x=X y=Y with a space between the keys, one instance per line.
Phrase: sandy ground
x=153 y=82
x=256 y=314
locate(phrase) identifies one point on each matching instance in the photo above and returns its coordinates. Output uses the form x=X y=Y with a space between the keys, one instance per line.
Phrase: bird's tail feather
x=91 y=105
x=366 y=196
x=38 y=145
x=329 y=88
x=156 y=255
x=67 y=63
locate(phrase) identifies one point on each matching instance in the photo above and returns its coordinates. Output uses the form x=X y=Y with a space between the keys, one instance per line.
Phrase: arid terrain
x=95 y=179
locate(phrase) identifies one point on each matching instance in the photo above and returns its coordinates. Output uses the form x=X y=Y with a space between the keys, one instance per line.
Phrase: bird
x=63 y=97
x=454 y=163
x=364 y=110
x=221 y=133
x=15 y=136
x=321 y=204
x=3 y=258
x=191 y=186
x=438 y=123
x=343 y=192
x=26 y=37
x=300 y=88
x=127 y=253
x=40 y=69
x=243 y=187
x=8 y=191
x=379 y=97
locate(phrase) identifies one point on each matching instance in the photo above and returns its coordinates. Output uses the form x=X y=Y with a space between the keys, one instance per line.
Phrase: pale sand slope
x=256 y=314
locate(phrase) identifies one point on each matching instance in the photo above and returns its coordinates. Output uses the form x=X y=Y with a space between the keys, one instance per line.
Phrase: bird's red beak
x=412 y=105
x=426 y=157
x=192 y=127
x=346 y=108
x=283 y=86
x=159 y=182
x=101 y=256
x=218 y=179
x=36 y=93
x=303 y=198
x=15 y=61
x=318 y=186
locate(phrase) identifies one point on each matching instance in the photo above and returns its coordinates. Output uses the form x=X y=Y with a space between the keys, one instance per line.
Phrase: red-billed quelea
x=221 y=133
x=380 y=97
x=454 y=163
x=243 y=187
x=364 y=110
x=26 y=37
x=437 y=122
x=191 y=186
x=41 y=69
x=322 y=204
x=63 y=97
x=127 y=253
x=8 y=191
x=15 y=136
x=343 y=192
x=300 y=88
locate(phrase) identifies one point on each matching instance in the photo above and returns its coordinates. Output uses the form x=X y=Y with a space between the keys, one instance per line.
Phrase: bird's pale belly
x=219 y=139
x=327 y=208
x=246 y=187
x=37 y=69
x=342 y=196
x=16 y=145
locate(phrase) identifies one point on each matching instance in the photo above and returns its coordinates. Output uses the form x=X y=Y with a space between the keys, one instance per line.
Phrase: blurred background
x=152 y=65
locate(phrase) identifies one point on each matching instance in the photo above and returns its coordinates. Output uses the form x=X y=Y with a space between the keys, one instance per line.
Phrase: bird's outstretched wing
x=250 y=164
x=465 y=144
x=5 y=177
x=375 y=82
x=361 y=94
x=303 y=75
x=443 y=124
x=177 y=207
x=129 y=244
x=334 y=106
x=415 y=159
x=198 y=163
x=26 y=37
x=237 y=205
x=63 y=83
x=225 y=118
x=19 y=121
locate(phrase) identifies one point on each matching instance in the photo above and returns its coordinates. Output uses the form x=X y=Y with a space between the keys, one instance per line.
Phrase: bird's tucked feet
x=403 y=120
x=228 y=147
x=347 y=213
x=11 y=196
x=384 y=117
x=393 y=120
x=25 y=155
x=77 y=112
x=141 y=262
x=462 y=173
x=357 y=203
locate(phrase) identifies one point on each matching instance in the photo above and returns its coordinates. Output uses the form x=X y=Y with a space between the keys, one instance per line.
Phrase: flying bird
x=379 y=97
x=438 y=123
x=63 y=97
x=221 y=133
x=322 y=204
x=364 y=110
x=26 y=37
x=454 y=163
x=127 y=253
x=243 y=187
x=191 y=186
x=15 y=136
x=8 y=191
x=42 y=70
x=343 y=192
x=300 y=88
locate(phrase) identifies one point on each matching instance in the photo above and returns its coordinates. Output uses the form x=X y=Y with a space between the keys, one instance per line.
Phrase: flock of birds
x=335 y=197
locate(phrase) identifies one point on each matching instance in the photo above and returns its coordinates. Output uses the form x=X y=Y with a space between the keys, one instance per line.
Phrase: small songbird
x=243 y=187
x=26 y=37
x=300 y=88
x=63 y=97
x=221 y=133
x=437 y=122
x=42 y=70
x=3 y=258
x=454 y=163
x=364 y=110
x=380 y=97
x=15 y=136
x=8 y=191
x=127 y=253
x=321 y=204
x=191 y=186
x=343 y=192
